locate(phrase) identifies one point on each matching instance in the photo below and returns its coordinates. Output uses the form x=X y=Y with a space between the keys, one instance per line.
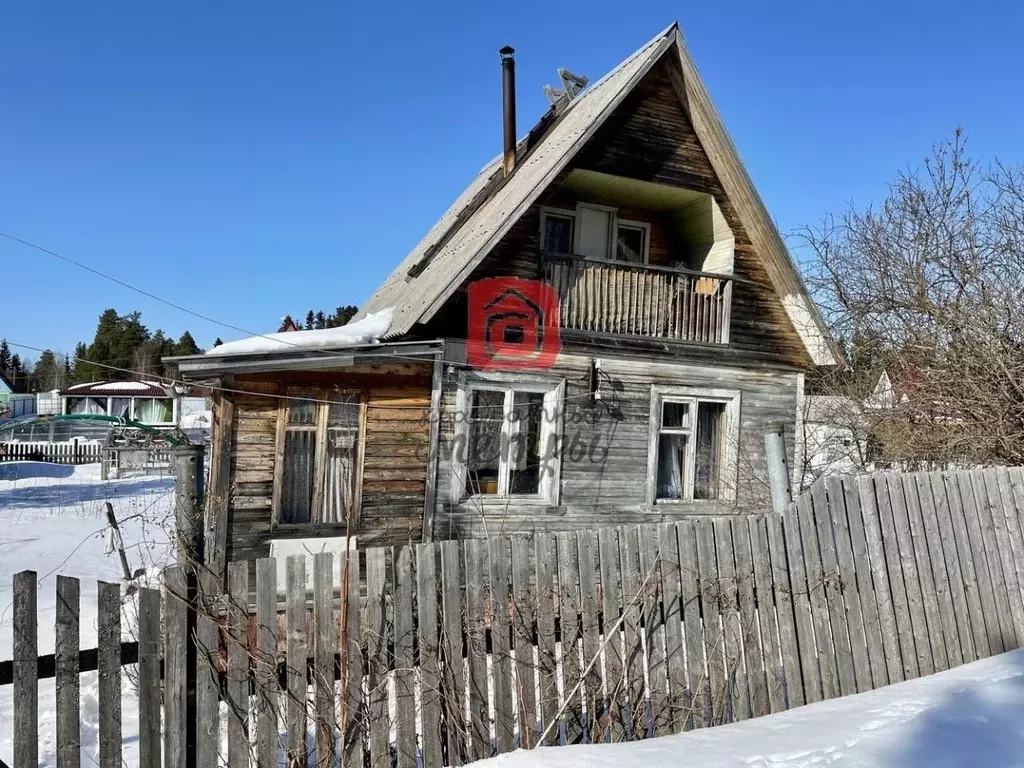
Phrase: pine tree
x=321 y=321
x=342 y=315
x=5 y=356
x=80 y=371
x=46 y=372
x=187 y=345
x=218 y=341
x=310 y=320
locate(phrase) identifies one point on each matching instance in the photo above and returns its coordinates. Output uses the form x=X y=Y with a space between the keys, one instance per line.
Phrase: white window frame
x=134 y=399
x=729 y=458
x=549 y=487
x=564 y=213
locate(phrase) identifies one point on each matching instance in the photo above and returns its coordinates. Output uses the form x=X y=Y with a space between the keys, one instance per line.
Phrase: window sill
x=314 y=529
x=693 y=503
x=489 y=501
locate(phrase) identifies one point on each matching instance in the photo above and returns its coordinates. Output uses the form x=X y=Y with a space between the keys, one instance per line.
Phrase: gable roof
x=475 y=223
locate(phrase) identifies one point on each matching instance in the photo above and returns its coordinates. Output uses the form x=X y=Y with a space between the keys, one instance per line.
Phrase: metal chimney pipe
x=508 y=98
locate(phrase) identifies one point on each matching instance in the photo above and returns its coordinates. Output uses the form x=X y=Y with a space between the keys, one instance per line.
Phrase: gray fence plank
x=675 y=651
x=1011 y=522
x=501 y=645
x=175 y=666
x=237 y=675
x=569 y=611
x=810 y=670
x=862 y=565
x=994 y=519
x=66 y=648
x=352 y=711
x=295 y=669
x=108 y=672
x=454 y=674
x=26 y=670
x=268 y=695
x=590 y=621
x=932 y=539
x=150 y=752
x=427 y=629
x=849 y=587
x=974 y=621
x=816 y=578
x=996 y=625
x=767 y=613
x=524 y=614
x=616 y=703
x=897 y=585
x=945 y=551
x=207 y=656
x=476 y=650
x=377 y=641
x=405 y=676
x=714 y=644
x=753 y=649
x=325 y=642
x=786 y=612
x=925 y=573
x=693 y=635
x=654 y=629
x=732 y=633
x=911 y=574
x=633 y=660
x=831 y=581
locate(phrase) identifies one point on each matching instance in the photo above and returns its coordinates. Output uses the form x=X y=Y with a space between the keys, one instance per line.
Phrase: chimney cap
x=507 y=52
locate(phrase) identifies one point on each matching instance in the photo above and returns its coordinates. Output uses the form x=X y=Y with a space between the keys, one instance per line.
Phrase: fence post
x=778 y=469
x=188 y=503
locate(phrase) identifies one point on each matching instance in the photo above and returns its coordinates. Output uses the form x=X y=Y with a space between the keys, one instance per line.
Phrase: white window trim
x=730 y=448
x=549 y=492
x=546 y=210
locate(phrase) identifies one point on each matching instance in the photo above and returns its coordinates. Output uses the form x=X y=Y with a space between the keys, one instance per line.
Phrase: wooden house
x=675 y=329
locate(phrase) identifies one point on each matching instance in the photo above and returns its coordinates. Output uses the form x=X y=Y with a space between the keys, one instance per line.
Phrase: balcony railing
x=640 y=299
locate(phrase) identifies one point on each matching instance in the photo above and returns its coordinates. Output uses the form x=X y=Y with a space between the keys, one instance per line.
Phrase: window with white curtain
x=154 y=410
x=317 y=482
x=694 y=444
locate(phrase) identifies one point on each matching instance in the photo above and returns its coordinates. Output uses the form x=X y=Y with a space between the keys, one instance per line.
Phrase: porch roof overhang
x=198 y=367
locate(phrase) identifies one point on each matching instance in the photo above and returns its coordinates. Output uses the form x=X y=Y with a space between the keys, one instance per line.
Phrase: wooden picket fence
x=448 y=652
x=71 y=452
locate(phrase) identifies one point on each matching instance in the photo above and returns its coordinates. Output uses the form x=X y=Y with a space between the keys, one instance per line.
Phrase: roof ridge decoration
x=486 y=209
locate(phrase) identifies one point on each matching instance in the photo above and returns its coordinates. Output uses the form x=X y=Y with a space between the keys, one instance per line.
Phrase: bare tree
x=929 y=284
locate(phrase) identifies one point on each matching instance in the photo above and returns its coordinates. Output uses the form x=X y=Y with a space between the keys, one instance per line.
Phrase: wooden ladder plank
x=268 y=696
x=454 y=675
x=430 y=652
x=325 y=643
x=108 y=669
x=150 y=752
x=376 y=625
x=586 y=542
x=237 y=673
x=295 y=667
x=66 y=648
x=501 y=644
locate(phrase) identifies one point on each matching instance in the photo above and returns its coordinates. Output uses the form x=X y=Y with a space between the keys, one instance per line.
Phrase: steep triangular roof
x=485 y=212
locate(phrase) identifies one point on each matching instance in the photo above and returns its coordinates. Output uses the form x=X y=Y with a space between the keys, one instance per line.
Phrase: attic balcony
x=606 y=297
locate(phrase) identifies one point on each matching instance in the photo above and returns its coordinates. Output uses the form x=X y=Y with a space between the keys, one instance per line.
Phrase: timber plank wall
x=394 y=467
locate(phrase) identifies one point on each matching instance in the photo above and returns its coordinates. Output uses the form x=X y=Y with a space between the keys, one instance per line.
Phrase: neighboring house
x=148 y=402
x=684 y=331
x=833 y=438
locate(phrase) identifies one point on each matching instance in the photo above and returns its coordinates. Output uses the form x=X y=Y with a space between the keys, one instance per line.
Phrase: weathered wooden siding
x=394 y=455
x=605 y=447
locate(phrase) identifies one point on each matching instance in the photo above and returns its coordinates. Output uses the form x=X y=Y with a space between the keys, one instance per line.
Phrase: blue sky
x=253 y=159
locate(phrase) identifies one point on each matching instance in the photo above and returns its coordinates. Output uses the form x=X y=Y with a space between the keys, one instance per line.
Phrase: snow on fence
x=448 y=652
x=71 y=452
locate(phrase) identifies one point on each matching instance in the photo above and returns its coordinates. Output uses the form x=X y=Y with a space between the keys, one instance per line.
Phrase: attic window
x=557 y=230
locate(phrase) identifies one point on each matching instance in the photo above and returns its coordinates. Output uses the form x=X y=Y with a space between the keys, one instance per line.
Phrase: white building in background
x=148 y=402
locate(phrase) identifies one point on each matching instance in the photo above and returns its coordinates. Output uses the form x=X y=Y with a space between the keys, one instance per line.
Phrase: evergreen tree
x=5 y=356
x=310 y=320
x=187 y=345
x=321 y=320
x=341 y=316
x=218 y=341
x=80 y=371
x=46 y=372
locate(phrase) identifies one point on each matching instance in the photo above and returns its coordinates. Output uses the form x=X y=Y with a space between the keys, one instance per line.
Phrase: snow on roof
x=367 y=330
x=143 y=388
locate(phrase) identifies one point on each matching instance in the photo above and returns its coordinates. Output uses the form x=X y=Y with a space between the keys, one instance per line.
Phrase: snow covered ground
x=969 y=716
x=52 y=521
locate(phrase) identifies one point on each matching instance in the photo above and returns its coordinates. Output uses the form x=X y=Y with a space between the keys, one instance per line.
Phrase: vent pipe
x=508 y=99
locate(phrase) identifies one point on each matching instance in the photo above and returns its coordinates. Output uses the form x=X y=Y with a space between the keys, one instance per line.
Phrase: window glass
x=524 y=455
x=558 y=231
x=153 y=410
x=675 y=415
x=342 y=446
x=90 y=405
x=121 y=407
x=707 y=466
x=487 y=411
x=671 y=465
x=630 y=245
x=298 y=475
x=302 y=412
